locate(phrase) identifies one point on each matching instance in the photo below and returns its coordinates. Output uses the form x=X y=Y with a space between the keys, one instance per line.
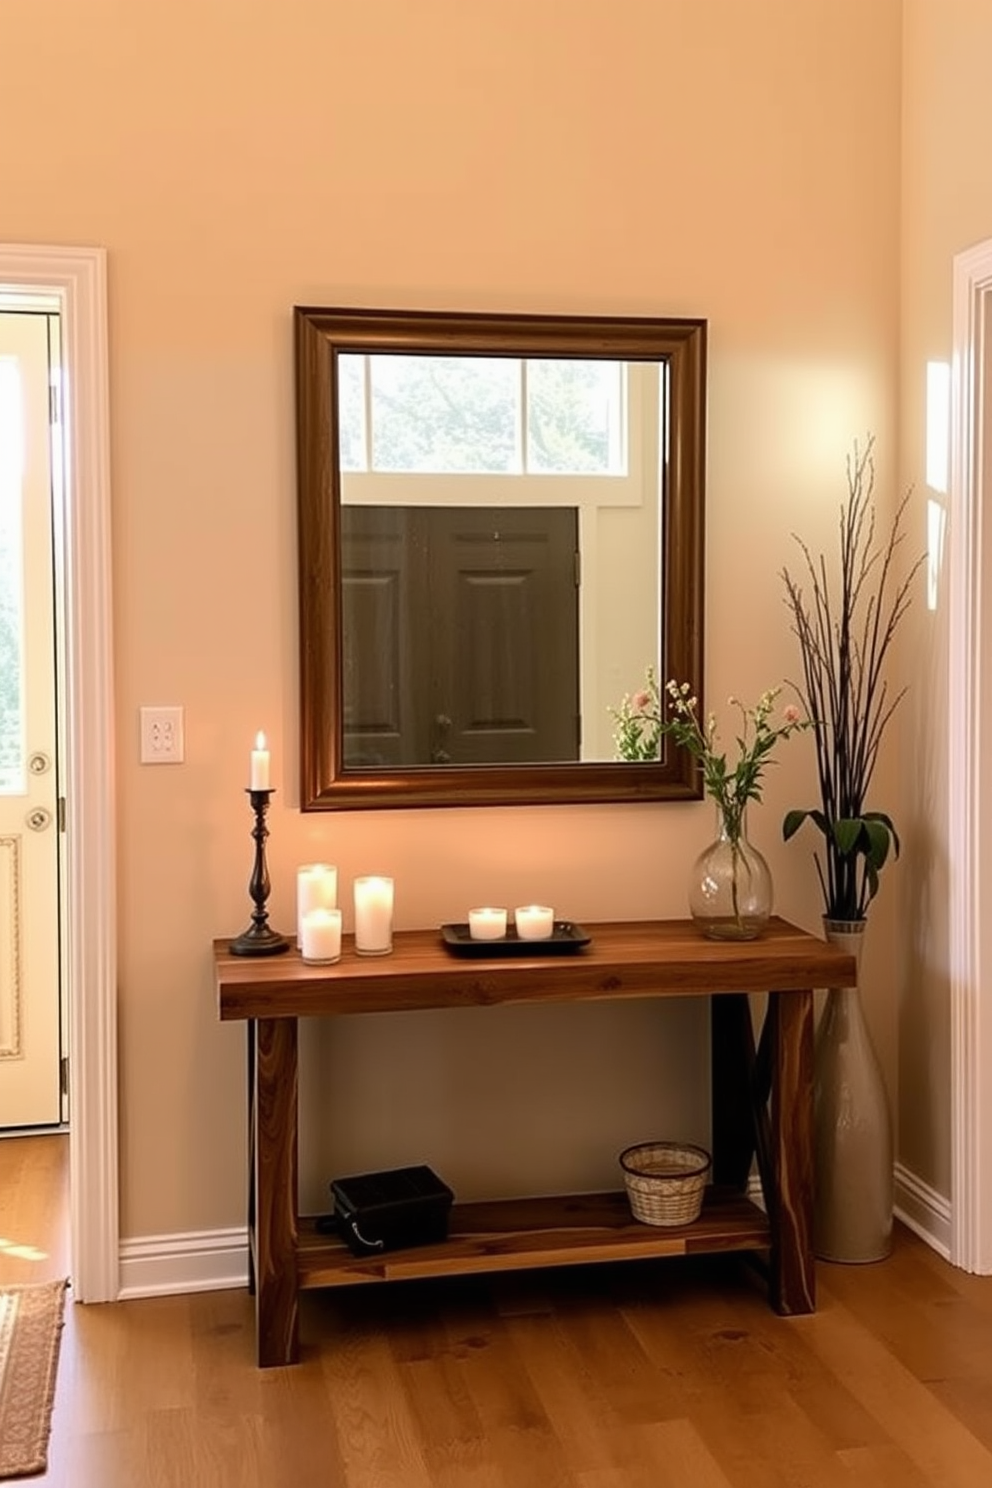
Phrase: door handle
x=39 y=763
x=39 y=819
x=442 y=726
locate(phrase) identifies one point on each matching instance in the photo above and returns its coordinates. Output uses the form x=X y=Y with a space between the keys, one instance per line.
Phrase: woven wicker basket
x=665 y=1181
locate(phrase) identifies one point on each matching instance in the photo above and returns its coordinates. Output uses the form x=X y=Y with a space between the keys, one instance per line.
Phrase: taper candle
x=259 y=777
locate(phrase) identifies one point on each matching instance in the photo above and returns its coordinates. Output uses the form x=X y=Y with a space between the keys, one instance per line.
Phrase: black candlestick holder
x=259 y=939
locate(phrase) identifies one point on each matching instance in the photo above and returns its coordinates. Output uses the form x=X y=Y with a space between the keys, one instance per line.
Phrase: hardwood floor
x=666 y=1374
x=34 y=1209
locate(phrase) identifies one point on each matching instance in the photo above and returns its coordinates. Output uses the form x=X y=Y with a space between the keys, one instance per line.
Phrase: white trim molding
x=923 y=1210
x=166 y=1265
x=77 y=277
x=969 y=732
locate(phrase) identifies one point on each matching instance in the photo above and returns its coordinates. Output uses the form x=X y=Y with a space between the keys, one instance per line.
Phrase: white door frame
x=969 y=738
x=78 y=276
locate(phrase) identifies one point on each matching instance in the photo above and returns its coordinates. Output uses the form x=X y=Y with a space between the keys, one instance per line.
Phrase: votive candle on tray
x=487 y=924
x=259 y=777
x=316 y=888
x=320 y=932
x=534 y=921
x=373 y=915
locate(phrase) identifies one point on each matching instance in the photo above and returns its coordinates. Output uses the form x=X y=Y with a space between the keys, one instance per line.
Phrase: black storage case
x=374 y=1212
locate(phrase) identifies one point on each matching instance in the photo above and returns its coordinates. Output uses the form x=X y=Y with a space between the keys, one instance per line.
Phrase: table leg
x=731 y=1067
x=251 y=1155
x=275 y=1196
x=793 y=1269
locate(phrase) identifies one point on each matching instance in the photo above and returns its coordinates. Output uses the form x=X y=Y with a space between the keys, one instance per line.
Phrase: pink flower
x=640 y=701
x=791 y=713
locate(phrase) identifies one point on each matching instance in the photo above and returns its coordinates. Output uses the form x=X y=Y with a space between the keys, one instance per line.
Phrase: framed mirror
x=500 y=526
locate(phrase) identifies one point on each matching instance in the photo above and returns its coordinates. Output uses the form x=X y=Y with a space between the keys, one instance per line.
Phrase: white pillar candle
x=259 y=777
x=316 y=888
x=534 y=921
x=486 y=924
x=321 y=935
x=373 y=916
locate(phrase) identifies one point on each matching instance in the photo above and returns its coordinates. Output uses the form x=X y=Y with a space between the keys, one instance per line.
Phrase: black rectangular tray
x=564 y=940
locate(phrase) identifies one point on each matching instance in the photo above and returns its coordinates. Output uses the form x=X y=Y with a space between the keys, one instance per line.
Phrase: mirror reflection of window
x=576 y=417
x=444 y=414
x=493 y=415
x=352 y=418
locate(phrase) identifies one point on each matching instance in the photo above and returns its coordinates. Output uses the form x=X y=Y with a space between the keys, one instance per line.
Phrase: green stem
x=735 y=855
x=733 y=826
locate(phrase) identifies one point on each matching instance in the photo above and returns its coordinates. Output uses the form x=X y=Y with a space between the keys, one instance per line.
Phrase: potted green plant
x=845 y=630
x=845 y=621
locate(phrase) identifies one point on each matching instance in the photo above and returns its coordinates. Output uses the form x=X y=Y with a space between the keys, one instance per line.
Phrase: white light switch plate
x=161 y=736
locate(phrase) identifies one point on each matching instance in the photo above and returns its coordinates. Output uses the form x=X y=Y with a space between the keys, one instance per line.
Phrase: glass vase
x=853 y=1150
x=730 y=888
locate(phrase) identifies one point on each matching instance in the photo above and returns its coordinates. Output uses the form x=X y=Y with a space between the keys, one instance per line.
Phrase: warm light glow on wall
x=938 y=424
x=936 y=523
x=938 y=469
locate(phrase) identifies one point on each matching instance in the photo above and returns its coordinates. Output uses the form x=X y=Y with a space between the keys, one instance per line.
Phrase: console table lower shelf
x=761 y=1105
x=522 y=1234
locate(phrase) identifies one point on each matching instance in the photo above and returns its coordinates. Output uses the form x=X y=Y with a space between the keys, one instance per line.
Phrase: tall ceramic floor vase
x=852 y=1125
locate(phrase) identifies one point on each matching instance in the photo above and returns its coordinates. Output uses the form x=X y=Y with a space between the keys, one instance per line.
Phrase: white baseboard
x=204 y=1261
x=923 y=1210
x=926 y=1212
x=217 y=1260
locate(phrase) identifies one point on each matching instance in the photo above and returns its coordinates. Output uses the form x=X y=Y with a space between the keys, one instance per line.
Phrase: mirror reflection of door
x=30 y=1034
x=466 y=620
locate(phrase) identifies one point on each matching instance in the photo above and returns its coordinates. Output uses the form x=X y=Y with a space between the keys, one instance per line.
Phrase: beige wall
x=946 y=207
x=735 y=161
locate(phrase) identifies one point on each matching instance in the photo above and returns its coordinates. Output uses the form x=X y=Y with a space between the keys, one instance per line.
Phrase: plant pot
x=854 y=1168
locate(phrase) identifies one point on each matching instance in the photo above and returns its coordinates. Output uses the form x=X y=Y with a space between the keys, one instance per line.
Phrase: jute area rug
x=30 y=1331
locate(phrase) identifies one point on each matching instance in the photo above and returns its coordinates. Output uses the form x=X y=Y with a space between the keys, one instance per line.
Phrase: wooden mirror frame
x=320 y=334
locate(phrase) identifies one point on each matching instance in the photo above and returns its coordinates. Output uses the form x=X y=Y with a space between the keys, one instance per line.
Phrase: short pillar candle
x=373 y=915
x=487 y=923
x=320 y=932
x=534 y=921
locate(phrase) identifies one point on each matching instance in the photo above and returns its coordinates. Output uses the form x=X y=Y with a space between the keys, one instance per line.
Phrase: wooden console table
x=761 y=1104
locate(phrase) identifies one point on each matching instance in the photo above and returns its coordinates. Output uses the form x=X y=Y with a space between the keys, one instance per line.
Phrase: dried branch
x=845 y=631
